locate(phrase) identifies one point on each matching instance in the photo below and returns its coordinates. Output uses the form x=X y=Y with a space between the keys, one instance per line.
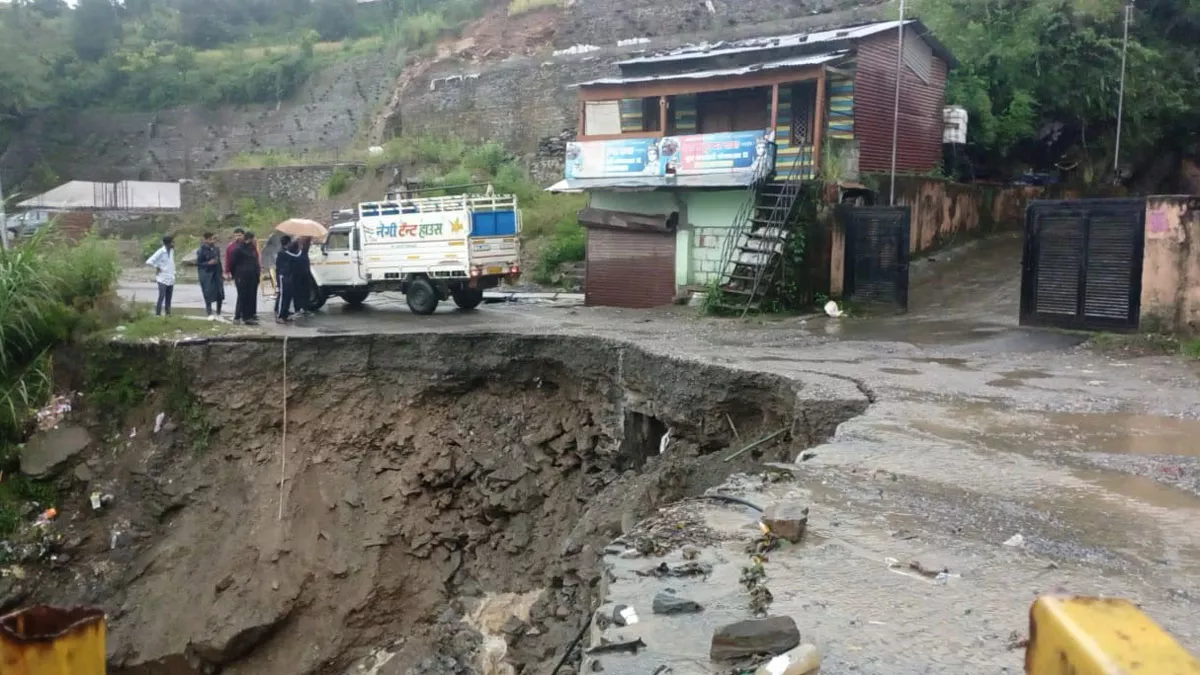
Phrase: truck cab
x=431 y=249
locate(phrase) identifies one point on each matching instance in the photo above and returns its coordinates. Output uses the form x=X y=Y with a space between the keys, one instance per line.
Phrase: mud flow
x=441 y=505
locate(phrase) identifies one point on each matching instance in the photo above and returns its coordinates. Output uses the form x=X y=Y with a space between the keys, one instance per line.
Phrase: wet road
x=979 y=430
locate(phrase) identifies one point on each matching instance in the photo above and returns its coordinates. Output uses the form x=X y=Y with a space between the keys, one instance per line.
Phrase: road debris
x=803 y=660
x=771 y=636
x=1015 y=541
x=624 y=615
x=49 y=415
x=669 y=604
x=631 y=646
x=786 y=520
x=690 y=569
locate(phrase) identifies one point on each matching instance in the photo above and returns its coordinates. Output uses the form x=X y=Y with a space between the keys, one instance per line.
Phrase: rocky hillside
x=504 y=78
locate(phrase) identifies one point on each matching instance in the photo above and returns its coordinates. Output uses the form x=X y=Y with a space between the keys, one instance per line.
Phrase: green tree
x=335 y=19
x=1040 y=79
x=95 y=26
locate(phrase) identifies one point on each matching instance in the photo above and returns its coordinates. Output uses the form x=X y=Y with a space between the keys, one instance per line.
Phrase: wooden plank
x=774 y=105
x=616 y=137
x=622 y=220
x=819 y=126
x=612 y=92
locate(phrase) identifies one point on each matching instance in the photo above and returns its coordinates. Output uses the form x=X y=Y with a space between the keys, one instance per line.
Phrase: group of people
x=242 y=264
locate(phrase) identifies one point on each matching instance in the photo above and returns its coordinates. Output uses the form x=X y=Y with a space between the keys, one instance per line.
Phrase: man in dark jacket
x=246 y=272
x=212 y=283
x=285 y=270
x=302 y=277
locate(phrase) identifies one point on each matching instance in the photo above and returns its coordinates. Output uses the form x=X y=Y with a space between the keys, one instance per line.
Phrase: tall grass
x=47 y=288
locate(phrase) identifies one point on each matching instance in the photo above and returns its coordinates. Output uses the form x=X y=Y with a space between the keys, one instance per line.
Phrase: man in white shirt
x=163 y=262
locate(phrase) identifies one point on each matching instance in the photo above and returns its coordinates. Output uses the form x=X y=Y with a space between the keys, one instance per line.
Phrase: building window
x=650 y=118
x=736 y=110
x=601 y=118
x=804 y=113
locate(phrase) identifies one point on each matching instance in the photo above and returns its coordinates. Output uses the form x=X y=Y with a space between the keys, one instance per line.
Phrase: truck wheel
x=467 y=298
x=355 y=298
x=317 y=298
x=422 y=297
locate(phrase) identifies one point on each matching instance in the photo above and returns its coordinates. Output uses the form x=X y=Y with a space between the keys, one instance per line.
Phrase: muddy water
x=1118 y=490
x=1113 y=433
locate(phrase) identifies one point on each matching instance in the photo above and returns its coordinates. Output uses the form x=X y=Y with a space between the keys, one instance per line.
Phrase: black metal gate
x=876 y=262
x=1082 y=264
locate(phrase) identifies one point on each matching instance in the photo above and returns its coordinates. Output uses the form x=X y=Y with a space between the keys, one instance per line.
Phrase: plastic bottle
x=803 y=660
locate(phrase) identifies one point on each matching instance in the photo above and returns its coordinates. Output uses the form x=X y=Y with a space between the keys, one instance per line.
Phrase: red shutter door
x=629 y=269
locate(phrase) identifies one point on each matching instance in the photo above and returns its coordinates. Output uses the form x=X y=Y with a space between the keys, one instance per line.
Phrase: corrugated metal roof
x=809 y=60
x=709 y=49
x=126 y=195
x=851 y=33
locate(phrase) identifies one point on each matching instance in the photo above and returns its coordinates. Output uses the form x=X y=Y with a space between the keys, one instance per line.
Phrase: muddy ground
x=959 y=430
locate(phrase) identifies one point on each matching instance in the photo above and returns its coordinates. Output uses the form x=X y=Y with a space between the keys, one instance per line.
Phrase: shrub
x=521 y=6
x=567 y=244
x=338 y=183
x=421 y=29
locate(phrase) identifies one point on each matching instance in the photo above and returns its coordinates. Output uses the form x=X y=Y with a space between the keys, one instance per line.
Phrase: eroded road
x=979 y=431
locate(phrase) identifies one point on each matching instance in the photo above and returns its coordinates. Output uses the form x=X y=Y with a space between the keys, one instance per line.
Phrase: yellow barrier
x=50 y=641
x=1100 y=636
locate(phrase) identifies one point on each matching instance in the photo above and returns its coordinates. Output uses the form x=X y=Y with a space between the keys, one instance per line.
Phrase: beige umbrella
x=300 y=227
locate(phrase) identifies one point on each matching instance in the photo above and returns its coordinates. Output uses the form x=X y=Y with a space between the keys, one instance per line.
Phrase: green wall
x=705 y=215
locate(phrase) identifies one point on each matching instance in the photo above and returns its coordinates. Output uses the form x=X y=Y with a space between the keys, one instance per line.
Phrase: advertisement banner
x=613 y=159
x=714 y=153
x=433 y=226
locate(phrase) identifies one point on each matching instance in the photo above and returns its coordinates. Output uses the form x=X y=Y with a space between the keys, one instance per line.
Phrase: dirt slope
x=441 y=493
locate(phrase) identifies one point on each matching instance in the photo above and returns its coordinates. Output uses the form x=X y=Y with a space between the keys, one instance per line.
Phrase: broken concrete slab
x=668 y=604
x=49 y=450
x=787 y=520
x=771 y=636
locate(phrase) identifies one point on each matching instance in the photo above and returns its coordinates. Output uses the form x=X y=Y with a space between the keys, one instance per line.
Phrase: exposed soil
x=445 y=502
x=491 y=38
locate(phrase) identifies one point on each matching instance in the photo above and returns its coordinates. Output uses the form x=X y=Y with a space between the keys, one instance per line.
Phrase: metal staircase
x=757 y=240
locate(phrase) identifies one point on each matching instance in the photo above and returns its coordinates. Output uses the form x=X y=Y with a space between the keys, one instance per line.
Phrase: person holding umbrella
x=285 y=269
x=303 y=233
x=246 y=271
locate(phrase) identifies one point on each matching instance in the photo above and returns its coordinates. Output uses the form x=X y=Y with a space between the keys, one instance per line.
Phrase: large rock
x=665 y=603
x=48 y=450
x=787 y=520
x=771 y=636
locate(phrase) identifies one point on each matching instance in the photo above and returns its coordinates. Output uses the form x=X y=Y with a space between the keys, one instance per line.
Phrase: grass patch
x=517 y=7
x=1144 y=344
x=174 y=327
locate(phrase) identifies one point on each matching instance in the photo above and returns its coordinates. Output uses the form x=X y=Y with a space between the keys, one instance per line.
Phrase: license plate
x=495 y=269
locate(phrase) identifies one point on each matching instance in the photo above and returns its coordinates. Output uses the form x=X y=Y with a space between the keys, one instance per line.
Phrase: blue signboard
x=737 y=152
x=714 y=153
x=608 y=159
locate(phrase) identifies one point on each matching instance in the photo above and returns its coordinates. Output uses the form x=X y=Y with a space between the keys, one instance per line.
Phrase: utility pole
x=896 y=112
x=1121 y=94
x=3 y=219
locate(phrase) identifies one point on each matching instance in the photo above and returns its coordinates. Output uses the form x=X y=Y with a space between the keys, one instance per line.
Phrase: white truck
x=430 y=249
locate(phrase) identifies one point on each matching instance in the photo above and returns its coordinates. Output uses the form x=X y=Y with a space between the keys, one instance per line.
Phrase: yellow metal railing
x=50 y=641
x=1100 y=636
